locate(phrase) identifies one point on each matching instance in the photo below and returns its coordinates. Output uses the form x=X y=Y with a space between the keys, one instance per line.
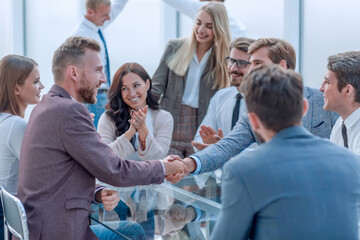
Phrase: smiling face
x=260 y=57
x=29 y=92
x=333 y=98
x=203 y=28
x=92 y=76
x=99 y=15
x=237 y=73
x=134 y=90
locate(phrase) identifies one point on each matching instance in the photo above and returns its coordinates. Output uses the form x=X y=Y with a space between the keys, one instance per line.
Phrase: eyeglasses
x=239 y=63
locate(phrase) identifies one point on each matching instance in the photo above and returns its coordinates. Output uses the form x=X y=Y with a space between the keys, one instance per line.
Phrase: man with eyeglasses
x=226 y=105
x=317 y=121
x=221 y=114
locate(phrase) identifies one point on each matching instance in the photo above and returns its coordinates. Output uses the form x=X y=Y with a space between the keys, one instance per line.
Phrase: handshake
x=177 y=168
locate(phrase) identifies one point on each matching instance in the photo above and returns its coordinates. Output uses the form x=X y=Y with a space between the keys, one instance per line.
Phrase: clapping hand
x=138 y=118
x=209 y=135
x=175 y=168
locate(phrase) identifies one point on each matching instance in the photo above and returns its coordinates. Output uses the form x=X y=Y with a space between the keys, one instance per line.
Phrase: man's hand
x=175 y=168
x=191 y=167
x=109 y=199
x=199 y=146
x=209 y=135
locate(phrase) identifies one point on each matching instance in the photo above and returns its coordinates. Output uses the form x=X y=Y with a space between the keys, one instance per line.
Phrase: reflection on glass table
x=160 y=212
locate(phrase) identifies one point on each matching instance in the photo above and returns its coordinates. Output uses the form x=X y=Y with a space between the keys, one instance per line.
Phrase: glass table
x=166 y=211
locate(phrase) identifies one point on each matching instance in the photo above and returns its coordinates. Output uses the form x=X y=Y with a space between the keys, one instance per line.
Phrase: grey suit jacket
x=296 y=186
x=171 y=86
x=317 y=121
x=60 y=158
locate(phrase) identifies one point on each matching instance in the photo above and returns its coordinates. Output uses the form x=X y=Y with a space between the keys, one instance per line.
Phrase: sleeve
x=16 y=136
x=237 y=211
x=121 y=146
x=160 y=78
x=215 y=156
x=157 y=145
x=186 y=7
x=209 y=119
x=116 y=8
x=83 y=144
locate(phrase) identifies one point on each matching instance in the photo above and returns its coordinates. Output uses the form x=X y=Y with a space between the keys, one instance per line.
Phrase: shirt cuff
x=96 y=190
x=198 y=165
x=162 y=166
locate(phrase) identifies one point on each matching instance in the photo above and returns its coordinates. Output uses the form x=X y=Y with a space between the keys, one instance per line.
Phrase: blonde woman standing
x=191 y=70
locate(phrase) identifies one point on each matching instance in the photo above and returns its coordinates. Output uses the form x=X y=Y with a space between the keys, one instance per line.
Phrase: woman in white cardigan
x=133 y=126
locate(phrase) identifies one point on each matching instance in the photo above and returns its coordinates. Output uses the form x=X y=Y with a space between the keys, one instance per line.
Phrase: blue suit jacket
x=296 y=186
x=317 y=121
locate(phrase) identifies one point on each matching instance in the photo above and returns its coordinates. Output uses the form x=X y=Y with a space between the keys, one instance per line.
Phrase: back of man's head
x=346 y=67
x=93 y=4
x=278 y=50
x=71 y=52
x=242 y=44
x=275 y=95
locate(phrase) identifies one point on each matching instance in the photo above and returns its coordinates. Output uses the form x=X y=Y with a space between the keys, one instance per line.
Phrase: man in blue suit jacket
x=294 y=186
x=316 y=121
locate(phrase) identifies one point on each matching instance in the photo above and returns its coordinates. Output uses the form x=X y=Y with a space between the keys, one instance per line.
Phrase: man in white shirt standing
x=190 y=8
x=99 y=14
x=341 y=88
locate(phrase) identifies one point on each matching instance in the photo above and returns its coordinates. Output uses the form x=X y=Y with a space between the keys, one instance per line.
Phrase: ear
x=89 y=12
x=72 y=73
x=17 y=90
x=283 y=63
x=306 y=106
x=349 y=91
x=254 y=121
x=147 y=84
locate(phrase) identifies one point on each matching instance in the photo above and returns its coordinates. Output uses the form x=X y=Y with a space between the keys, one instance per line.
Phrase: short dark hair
x=346 y=66
x=241 y=43
x=278 y=50
x=71 y=52
x=275 y=95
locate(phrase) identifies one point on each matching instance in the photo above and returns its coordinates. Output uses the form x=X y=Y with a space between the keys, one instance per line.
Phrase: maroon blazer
x=61 y=155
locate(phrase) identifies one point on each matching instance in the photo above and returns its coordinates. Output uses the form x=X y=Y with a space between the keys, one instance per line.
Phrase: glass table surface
x=166 y=211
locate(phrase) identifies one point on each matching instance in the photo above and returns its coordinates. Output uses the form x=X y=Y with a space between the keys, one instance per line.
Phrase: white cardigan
x=157 y=144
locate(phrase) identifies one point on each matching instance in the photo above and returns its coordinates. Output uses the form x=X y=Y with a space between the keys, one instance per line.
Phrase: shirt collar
x=90 y=24
x=205 y=57
x=352 y=119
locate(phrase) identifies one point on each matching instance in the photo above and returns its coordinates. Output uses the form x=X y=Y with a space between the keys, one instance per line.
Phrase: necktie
x=236 y=110
x=344 y=134
x=107 y=58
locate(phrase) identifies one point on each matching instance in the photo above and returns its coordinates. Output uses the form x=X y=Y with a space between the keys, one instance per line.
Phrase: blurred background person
x=191 y=70
x=99 y=14
x=19 y=86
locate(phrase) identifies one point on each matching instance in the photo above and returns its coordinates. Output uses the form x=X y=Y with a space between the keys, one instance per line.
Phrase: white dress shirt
x=12 y=130
x=352 y=124
x=220 y=111
x=191 y=7
x=88 y=29
x=196 y=68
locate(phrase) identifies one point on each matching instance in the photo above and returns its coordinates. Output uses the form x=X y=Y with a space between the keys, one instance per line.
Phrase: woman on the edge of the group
x=20 y=86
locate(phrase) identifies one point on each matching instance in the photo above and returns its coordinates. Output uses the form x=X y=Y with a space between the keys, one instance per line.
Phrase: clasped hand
x=175 y=168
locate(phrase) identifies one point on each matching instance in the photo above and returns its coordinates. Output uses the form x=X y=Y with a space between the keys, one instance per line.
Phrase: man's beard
x=86 y=93
x=237 y=82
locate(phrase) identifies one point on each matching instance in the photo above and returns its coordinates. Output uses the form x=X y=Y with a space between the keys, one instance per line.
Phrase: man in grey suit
x=316 y=121
x=62 y=153
x=295 y=185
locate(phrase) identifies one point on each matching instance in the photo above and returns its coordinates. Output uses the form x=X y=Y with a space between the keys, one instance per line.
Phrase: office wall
x=329 y=27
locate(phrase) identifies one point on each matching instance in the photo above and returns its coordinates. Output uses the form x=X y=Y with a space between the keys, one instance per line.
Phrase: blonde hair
x=14 y=69
x=180 y=61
